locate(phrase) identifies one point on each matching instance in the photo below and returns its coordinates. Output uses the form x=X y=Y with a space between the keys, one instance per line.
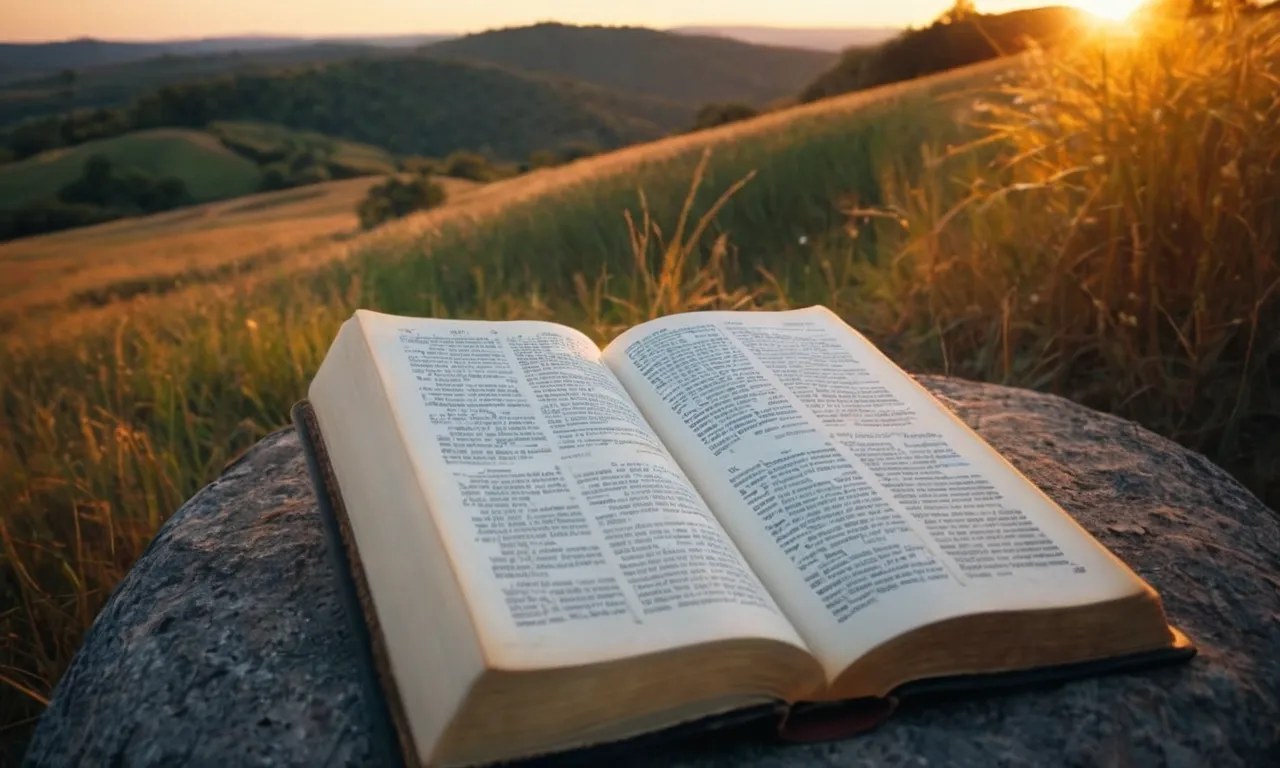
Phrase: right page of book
x=864 y=505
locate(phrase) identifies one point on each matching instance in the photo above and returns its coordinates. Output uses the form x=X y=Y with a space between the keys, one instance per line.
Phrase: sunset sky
x=39 y=20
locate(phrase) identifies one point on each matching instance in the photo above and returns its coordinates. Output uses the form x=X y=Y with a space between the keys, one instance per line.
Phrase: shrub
x=468 y=165
x=311 y=174
x=712 y=115
x=398 y=197
x=543 y=158
x=420 y=165
x=577 y=150
x=275 y=176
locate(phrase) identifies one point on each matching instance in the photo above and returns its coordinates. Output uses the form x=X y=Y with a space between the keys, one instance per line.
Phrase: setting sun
x=1112 y=10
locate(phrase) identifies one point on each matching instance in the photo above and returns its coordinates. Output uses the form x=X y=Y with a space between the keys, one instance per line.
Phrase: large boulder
x=227 y=644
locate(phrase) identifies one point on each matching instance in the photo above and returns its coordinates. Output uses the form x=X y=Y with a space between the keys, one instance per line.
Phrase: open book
x=562 y=546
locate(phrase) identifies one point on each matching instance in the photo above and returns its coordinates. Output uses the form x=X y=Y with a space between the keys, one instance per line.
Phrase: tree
x=468 y=165
x=713 y=115
x=67 y=87
x=543 y=158
x=398 y=197
x=963 y=10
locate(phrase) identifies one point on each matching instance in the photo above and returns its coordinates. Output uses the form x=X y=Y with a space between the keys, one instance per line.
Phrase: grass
x=49 y=280
x=264 y=138
x=1101 y=224
x=210 y=171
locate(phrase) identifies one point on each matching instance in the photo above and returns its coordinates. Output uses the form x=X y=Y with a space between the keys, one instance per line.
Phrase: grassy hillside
x=684 y=68
x=1138 y=275
x=49 y=278
x=943 y=45
x=210 y=170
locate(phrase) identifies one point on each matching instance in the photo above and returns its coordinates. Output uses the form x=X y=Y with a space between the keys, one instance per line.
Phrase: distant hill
x=407 y=104
x=26 y=59
x=942 y=46
x=682 y=68
x=117 y=84
x=209 y=170
x=831 y=39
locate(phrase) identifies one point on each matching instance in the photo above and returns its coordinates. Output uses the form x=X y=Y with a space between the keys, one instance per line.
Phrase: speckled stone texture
x=227 y=644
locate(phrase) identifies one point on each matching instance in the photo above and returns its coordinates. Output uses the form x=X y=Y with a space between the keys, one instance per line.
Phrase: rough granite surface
x=227 y=645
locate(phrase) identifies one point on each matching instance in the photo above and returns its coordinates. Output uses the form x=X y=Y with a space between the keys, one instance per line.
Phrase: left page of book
x=574 y=534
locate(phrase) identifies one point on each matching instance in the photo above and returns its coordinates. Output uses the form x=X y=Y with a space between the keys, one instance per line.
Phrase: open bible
x=560 y=546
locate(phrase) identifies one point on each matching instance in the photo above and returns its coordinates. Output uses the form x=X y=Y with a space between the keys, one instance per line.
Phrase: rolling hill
x=943 y=46
x=118 y=84
x=209 y=170
x=833 y=39
x=682 y=68
x=407 y=104
x=26 y=59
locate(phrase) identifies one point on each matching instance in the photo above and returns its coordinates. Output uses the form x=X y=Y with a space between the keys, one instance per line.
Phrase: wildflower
x=1099 y=159
x=251 y=324
x=804 y=239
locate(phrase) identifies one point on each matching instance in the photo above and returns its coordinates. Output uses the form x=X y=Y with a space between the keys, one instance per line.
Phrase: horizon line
x=432 y=33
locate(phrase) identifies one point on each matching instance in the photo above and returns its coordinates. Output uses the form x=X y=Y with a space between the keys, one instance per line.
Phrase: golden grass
x=1118 y=237
x=48 y=277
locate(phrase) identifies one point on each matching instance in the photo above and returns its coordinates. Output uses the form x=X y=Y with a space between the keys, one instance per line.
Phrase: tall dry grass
x=1115 y=236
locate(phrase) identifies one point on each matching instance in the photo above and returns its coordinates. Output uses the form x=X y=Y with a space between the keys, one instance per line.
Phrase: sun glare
x=1110 y=10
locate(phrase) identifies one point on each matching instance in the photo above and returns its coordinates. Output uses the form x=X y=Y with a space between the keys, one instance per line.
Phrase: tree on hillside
x=67 y=87
x=713 y=115
x=963 y=10
x=398 y=197
x=123 y=191
x=468 y=165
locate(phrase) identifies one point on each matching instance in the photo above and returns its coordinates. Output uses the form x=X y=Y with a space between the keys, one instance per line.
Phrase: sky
x=41 y=20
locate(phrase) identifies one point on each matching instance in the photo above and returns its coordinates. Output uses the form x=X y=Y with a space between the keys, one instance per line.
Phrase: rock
x=227 y=643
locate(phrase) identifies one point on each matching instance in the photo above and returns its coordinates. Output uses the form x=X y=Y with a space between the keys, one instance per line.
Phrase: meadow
x=1103 y=223
x=210 y=170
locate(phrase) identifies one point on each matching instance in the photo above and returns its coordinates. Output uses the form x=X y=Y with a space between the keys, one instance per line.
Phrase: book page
x=575 y=535
x=864 y=506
